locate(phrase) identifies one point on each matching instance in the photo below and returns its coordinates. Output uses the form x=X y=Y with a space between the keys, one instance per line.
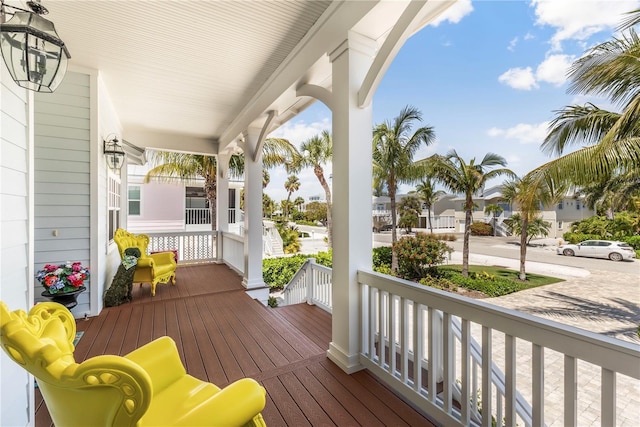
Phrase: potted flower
x=63 y=278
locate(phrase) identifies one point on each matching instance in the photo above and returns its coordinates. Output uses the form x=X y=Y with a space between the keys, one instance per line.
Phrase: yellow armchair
x=155 y=268
x=148 y=386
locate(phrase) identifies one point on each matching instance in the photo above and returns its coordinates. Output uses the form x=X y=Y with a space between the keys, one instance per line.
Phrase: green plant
x=481 y=229
x=277 y=272
x=419 y=254
x=63 y=278
x=272 y=302
x=381 y=257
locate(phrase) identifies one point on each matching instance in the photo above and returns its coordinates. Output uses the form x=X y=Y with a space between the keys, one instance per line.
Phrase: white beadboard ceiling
x=180 y=72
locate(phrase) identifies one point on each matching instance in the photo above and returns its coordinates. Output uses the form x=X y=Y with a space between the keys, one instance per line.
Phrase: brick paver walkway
x=602 y=302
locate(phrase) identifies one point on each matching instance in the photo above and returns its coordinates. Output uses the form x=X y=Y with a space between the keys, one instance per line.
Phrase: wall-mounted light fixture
x=31 y=49
x=114 y=153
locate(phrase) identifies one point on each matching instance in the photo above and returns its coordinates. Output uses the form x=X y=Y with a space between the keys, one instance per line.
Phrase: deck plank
x=223 y=335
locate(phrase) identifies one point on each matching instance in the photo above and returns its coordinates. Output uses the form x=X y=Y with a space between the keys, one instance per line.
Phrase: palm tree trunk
x=394 y=256
x=210 y=188
x=523 y=247
x=327 y=191
x=465 y=244
x=429 y=217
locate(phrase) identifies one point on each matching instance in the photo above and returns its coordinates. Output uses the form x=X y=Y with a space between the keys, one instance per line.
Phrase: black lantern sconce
x=32 y=51
x=114 y=153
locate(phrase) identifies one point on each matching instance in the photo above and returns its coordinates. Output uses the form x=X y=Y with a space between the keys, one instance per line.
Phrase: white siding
x=63 y=177
x=16 y=388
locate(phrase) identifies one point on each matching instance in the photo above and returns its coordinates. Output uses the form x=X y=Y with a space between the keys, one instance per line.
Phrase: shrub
x=486 y=283
x=439 y=283
x=574 y=238
x=277 y=272
x=272 y=302
x=419 y=254
x=481 y=229
x=634 y=241
x=381 y=257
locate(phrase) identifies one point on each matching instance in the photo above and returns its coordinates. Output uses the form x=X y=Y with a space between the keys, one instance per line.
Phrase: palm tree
x=493 y=210
x=466 y=178
x=530 y=195
x=188 y=168
x=610 y=69
x=298 y=202
x=394 y=146
x=292 y=184
x=317 y=152
x=429 y=195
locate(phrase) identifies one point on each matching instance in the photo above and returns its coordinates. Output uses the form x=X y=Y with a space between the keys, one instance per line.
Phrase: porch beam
x=352 y=221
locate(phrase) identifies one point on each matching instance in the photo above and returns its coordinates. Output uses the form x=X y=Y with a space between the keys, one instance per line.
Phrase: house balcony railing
x=202 y=216
x=463 y=342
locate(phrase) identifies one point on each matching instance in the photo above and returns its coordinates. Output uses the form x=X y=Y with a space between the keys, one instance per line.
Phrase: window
x=134 y=200
x=113 y=204
x=561 y=205
x=578 y=205
x=560 y=225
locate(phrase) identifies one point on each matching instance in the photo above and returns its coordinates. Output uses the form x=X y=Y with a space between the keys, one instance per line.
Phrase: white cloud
x=522 y=132
x=529 y=36
x=579 y=20
x=298 y=132
x=455 y=13
x=519 y=78
x=512 y=44
x=554 y=69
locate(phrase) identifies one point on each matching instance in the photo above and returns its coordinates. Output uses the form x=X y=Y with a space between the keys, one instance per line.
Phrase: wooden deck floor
x=223 y=335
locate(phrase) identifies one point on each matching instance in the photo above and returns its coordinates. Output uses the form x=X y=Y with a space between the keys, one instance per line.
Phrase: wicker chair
x=155 y=268
x=148 y=386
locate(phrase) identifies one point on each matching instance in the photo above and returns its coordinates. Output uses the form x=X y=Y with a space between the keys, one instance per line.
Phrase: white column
x=252 y=279
x=352 y=224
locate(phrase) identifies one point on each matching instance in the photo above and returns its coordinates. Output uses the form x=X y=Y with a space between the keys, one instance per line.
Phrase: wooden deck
x=223 y=335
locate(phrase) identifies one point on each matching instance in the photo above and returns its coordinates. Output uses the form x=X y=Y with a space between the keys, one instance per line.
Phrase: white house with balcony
x=210 y=78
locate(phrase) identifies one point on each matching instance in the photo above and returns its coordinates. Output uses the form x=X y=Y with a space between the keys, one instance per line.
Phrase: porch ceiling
x=192 y=75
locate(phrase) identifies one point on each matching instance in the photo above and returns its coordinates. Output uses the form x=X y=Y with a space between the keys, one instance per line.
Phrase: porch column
x=252 y=279
x=222 y=202
x=352 y=183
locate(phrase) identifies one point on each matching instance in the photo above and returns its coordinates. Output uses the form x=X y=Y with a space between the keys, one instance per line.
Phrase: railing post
x=309 y=280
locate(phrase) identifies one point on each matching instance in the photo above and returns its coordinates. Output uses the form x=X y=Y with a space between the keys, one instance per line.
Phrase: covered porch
x=224 y=335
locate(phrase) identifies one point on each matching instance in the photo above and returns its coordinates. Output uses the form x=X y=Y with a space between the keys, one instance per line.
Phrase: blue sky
x=487 y=77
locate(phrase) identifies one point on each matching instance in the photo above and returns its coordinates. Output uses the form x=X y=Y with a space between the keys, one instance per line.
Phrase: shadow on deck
x=223 y=335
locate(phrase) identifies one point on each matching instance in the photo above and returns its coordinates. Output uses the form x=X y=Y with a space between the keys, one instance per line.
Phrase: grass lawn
x=533 y=280
x=492 y=281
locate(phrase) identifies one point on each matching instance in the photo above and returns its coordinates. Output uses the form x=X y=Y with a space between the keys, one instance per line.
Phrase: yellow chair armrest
x=163 y=257
x=161 y=360
x=145 y=262
x=120 y=389
x=192 y=402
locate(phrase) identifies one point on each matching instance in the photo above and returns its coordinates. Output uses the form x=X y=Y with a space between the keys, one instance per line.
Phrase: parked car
x=614 y=250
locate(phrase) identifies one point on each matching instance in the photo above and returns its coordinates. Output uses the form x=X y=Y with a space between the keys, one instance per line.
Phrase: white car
x=615 y=251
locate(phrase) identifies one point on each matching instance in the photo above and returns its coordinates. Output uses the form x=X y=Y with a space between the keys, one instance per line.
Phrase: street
x=508 y=247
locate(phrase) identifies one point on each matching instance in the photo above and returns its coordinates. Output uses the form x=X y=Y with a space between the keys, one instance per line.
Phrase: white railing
x=401 y=324
x=272 y=241
x=191 y=246
x=197 y=216
x=310 y=284
x=233 y=251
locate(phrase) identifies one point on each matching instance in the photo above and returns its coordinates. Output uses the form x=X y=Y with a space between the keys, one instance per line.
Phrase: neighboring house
x=161 y=206
x=448 y=213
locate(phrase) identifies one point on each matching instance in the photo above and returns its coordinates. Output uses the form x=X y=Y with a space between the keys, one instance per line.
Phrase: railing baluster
x=417 y=347
x=372 y=323
x=570 y=391
x=364 y=297
x=448 y=362
x=510 y=381
x=393 y=321
x=608 y=398
x=404 y=340
x=486 y=376
x=538 y=385
x=465 y=344
x=434 y=344
x=382 y=316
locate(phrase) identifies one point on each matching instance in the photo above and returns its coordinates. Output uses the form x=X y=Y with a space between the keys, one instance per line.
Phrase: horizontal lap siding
x=62 y=177
x=15 y=276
